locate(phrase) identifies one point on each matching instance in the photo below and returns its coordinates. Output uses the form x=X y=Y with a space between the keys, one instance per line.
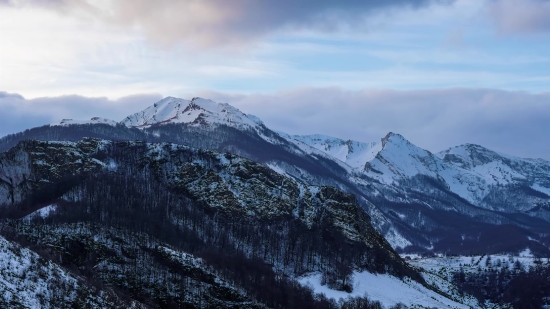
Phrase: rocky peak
x=471 y=155
x=394 y=138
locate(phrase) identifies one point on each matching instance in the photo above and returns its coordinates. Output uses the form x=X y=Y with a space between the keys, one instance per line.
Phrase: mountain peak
x=472 y=155
x=197 y=111
x=394 y=138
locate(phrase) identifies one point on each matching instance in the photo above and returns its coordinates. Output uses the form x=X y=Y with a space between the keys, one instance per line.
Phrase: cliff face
x=36 y=170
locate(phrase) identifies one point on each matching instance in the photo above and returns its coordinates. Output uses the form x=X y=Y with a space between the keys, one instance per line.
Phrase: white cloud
x=19 y=113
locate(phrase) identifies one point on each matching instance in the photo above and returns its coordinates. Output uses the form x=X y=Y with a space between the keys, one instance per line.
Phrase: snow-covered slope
x=195 y=112
x=398 y=159
x=353 y=153
x=94 y=120
x=500 y=169
x=389 y=291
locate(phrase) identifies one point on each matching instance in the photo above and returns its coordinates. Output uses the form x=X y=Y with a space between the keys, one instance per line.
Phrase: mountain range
x=206 y=169
x=446 y=201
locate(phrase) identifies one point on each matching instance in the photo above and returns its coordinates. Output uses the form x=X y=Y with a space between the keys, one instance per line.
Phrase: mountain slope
x=218 y=206
x=353 y=153
x=500 y=170
x=29 y=281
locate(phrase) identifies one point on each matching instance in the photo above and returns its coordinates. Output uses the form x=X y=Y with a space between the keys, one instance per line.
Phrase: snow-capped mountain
x=470 y=171
x=399 y=160
x=500 y=169
x=197 y=111
x=415 y=185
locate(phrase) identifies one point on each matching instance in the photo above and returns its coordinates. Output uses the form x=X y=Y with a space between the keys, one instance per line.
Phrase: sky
x=439 y=72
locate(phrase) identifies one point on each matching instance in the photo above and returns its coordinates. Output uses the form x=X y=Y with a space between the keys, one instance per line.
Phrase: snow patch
x=94 y=120
x=386 y=289
x=540 y=188
x=43 y=212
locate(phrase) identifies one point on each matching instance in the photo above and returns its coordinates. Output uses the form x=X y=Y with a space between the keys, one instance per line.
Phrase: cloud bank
x=19 y=113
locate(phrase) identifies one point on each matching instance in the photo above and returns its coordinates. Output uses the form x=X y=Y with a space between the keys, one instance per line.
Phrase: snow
x=308 y=149
x=445 y=265
x=277 y=168
x=27 y=279
x=353 y=153
x=540 y=188
x=194 y=112
x=396 y=239
x=386 y=289
x=43 y=212
x=163 y=110
x=94 y=120
x=255 y=119
x=526 y=253
x=112 y=166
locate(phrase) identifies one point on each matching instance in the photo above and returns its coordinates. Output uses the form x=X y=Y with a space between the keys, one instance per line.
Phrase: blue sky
x=250 y=52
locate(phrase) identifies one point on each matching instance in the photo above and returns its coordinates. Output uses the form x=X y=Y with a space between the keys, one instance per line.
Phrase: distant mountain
x=472 y=172
x=93 y=120
x=500 y=170
x=474 y=185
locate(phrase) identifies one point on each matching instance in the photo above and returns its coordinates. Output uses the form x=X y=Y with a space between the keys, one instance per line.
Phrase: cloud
x=19 y=113
x=4 y=95
x=521 y=17
x=511 y=122
x=209 y=23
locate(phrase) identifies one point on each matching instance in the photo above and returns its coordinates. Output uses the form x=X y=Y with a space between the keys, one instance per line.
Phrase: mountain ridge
x=385 y=176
